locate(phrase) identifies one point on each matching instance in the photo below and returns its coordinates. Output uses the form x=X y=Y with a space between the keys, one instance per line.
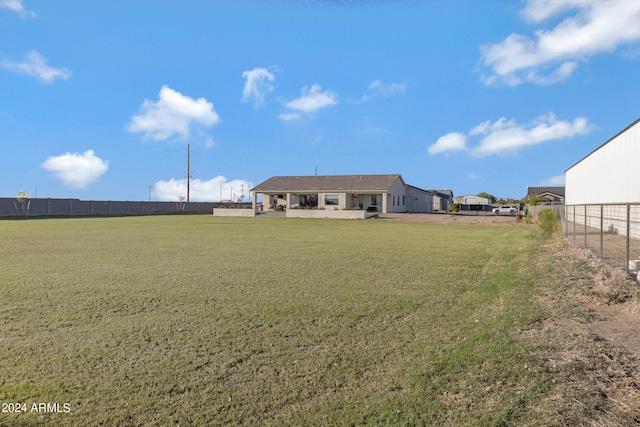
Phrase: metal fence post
x=628 y=236
x=585 y=226
x=574 y=223
x=601 y=231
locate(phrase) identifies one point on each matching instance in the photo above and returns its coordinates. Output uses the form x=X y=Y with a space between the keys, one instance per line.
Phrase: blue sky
x=98 y=100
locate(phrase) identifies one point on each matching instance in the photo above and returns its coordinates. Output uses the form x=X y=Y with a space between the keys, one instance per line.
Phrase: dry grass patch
x=588 y=341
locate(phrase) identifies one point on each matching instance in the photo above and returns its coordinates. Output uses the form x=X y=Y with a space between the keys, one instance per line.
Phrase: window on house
x=331 y=200
x=403 y=200
x=376 y=200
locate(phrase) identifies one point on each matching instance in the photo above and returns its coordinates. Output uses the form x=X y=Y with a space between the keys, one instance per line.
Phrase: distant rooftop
x=534 y=191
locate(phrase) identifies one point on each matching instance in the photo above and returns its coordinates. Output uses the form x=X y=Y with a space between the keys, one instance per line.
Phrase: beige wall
x=233 y=212
x=420 y=201
x=327 y=213
x=396 y=192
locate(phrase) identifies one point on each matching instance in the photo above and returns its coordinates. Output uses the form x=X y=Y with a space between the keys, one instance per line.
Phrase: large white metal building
x=610 y=174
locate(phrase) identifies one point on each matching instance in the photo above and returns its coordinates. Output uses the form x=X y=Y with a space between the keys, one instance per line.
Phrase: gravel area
x=450 y=218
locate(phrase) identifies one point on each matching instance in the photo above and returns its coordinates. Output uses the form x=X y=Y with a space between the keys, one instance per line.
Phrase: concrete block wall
x=327 y=213
x=69 y=207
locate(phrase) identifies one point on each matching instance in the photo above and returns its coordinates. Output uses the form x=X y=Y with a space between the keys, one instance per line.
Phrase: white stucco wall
x=610 y=174
x=233 y=212
x=396 y=191
x=327 y=213
x=419 y=201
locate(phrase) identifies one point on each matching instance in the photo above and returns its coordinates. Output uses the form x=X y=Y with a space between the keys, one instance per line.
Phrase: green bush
x=548 y=221
x=454 y=207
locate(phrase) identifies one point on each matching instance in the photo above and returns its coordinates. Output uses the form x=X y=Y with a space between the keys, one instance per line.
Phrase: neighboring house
x=442 y=198
x=370 y=193
x=549 y=194
x=473 y=203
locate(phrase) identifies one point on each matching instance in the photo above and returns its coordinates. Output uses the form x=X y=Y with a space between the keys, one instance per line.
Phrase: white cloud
x=75 y=169
x=540 y=10
x=453 y=141
x=311 y=100
x=388 y=89
x=35 y=65
x=508 y=137
x=257 y=85
x=290 y=116
x=552 y=55
x=378 y=88
x=554 y=181
x=18 y=7
x=213 y=190
x=173 y=114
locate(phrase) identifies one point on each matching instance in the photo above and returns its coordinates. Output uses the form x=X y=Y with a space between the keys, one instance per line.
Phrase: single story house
x=550 y=194
x=369 y=193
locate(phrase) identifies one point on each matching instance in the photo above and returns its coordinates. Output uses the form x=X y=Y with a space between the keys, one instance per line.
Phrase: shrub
x=548 y=221
x=534 y=201
x=454 y=207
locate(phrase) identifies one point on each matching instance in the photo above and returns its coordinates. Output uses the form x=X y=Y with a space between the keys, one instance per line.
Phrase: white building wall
x=610 y=174
x=396 y=192
x=419 y=201
x=438 y=203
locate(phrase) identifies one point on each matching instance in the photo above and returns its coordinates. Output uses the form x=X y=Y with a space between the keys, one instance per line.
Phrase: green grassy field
x=196 y=320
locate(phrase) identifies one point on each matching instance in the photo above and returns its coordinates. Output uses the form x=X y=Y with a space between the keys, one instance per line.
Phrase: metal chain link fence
x=611 y=231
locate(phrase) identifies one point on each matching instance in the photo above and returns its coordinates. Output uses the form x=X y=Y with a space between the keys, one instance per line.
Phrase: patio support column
x=288 y=201
x=254 y=201
x=384 y=202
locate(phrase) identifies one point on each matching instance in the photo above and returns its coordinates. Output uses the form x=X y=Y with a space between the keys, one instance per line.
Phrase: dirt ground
x=596 y=323
x=592 y=336
x=451 y=218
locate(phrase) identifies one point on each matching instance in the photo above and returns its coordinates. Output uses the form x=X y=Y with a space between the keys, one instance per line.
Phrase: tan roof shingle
x=327 y=183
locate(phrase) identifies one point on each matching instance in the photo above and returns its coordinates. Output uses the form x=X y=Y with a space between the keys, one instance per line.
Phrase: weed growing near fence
x=548 y=221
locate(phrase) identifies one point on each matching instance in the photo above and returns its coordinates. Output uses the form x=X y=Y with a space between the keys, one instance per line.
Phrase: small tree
x=181 y=205
x=22 y=197
x=549 y=221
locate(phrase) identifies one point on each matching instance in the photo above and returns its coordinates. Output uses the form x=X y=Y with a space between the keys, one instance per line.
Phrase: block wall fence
x=10 y=207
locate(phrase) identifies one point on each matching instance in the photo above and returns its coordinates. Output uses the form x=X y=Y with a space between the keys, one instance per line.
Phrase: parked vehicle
x=511 y=209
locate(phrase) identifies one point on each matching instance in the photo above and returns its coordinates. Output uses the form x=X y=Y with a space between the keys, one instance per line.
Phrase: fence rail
x=612 y=231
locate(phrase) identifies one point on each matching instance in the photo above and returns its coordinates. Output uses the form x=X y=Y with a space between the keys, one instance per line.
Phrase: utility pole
x=188 y=171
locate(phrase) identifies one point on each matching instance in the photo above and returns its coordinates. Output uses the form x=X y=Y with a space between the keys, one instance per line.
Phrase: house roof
x=534 y=191
x=327 y=183
x=447 y=194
